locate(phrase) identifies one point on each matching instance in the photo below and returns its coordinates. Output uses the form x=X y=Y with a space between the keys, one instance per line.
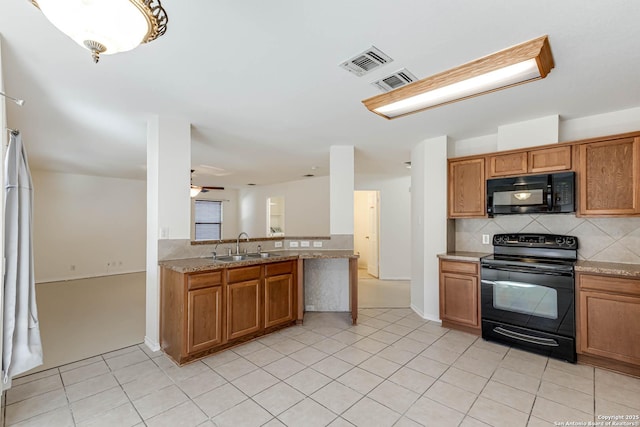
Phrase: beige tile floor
x=392 y=369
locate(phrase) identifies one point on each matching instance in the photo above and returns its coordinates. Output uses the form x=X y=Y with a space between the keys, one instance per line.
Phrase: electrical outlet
x=486 y=239
x=304 y=244
x=278 y=244
x=293 y=244
x=317 y=244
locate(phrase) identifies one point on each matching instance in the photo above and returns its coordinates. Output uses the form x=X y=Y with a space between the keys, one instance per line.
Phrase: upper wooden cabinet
x=466 y=188
x=549 y=159
x=609 y=177
x=544 y=160
x=508 y=164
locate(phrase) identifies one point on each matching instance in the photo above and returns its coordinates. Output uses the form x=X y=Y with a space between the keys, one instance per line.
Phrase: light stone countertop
x=194 y=265
x=612 y=268
x=463 y=256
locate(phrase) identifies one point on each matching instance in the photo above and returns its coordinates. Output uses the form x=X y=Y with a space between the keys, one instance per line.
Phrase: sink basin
x=261 y=255
x=242 y=257
x=231 y=258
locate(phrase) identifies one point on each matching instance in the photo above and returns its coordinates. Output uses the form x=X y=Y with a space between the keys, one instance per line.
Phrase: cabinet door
x=609 y=326
x=550 y=159
x=609 y=177
x=508 y=164
x=467 y=188
x=278 y=300
x=243 y=308
x=459 y=299
x=204 y=318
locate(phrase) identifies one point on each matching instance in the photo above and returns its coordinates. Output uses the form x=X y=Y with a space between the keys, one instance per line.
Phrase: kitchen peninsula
x=207 y=305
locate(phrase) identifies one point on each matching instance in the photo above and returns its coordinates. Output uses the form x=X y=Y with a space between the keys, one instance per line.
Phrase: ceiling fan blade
x=213 y=188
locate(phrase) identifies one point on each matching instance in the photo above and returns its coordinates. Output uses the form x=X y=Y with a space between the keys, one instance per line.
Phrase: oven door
x=529 y=297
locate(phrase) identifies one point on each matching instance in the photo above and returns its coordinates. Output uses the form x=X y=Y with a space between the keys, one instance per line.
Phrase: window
x=208 y=220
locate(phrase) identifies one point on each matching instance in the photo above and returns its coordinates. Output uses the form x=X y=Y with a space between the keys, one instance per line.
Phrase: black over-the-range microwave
x=549 y=193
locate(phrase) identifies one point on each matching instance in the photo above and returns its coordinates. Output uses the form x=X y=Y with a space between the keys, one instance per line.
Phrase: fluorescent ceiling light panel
x=519 y=64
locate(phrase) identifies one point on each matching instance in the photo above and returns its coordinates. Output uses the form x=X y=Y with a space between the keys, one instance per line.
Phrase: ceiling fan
x=197 y=189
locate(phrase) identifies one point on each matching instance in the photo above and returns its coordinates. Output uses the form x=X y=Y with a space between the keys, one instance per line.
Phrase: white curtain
x=22 y=348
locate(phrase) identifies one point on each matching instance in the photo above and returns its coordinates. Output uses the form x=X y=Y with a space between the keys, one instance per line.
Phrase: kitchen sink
x=244 y=257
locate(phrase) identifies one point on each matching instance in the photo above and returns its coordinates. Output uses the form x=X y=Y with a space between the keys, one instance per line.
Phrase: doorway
x=366 y=231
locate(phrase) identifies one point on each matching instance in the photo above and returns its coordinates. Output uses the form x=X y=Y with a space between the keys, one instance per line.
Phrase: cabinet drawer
x=550 y=159
x=508 y=164
x=459 y=267
x=243 y=274
x=278 y=268
x=203 y=280
x=617 y=285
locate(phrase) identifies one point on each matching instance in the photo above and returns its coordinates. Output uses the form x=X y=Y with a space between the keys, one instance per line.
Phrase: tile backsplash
x=599 y=239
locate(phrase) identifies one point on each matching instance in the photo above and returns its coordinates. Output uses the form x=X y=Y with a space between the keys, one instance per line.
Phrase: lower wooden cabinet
x=278 y=300
x=243 y=308
x=460 y=295
x=204 y=324
x=204 y=312
x=608 y=309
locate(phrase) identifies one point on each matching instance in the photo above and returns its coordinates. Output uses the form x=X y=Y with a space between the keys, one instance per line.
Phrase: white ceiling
x=260 y=83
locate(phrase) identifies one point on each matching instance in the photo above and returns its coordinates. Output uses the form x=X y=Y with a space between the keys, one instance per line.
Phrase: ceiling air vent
x=367 y=61
x=395 y=80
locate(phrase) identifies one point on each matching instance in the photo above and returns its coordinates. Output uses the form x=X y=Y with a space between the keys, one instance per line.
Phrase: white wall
x=306 y=207
x=620 y=121
x=88 y=222
x=610 y=123
x=83 y=225
x=540 y=131
x=429 y=223
x=230 y=215
x=395 y=224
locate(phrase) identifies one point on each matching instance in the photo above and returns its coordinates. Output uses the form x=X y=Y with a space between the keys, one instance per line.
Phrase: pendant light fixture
x=106 y=26
x=526 y=62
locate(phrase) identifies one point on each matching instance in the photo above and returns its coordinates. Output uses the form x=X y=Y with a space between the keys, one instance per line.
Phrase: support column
x=428 y=223
x=341 y=187
x=168 y=204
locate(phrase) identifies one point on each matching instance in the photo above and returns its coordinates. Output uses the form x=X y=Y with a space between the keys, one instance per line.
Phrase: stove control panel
x=536 y=241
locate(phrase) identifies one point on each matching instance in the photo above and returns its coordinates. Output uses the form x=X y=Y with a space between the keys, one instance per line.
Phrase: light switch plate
x=317 y=244
x=278 y=244
x=304 y=244
x=486 y=239
x=293 y=244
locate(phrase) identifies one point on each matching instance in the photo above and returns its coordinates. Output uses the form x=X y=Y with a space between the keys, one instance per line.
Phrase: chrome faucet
x=215 y=249
x=238 y=242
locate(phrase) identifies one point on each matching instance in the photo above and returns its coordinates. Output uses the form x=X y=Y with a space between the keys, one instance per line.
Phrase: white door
x=372 y=262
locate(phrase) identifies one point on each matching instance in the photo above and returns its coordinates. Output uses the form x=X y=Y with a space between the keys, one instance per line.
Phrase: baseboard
x=151 y=344
x=425 y=317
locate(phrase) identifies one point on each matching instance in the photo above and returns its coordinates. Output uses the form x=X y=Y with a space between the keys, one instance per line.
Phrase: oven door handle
x=530 y=271
x=524 y=337
x=508 y=283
